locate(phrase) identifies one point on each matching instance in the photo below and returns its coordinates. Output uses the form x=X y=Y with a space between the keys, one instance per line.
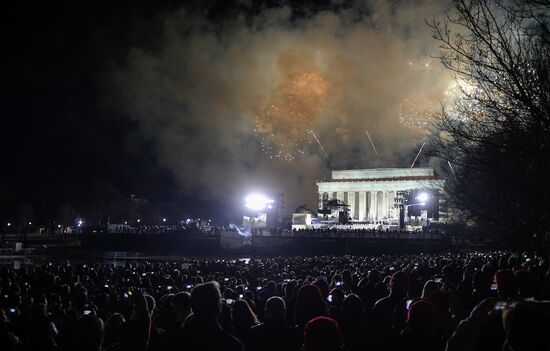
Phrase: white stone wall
x=382 y=173
x=388 y=185
x=376 y=198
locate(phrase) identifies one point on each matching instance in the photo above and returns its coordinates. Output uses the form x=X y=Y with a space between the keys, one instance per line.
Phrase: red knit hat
x=322 y=334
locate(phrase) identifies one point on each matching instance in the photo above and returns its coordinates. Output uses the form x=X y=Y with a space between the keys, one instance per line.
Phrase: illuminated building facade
x=375 y=195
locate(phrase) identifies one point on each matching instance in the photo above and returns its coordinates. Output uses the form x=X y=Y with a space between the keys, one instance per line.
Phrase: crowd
x=190 y=230
x=336 y=231
x=353 y=232
x=461 y=301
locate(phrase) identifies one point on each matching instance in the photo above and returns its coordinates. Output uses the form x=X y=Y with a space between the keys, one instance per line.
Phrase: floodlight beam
x=258 y=202
x=423 y=197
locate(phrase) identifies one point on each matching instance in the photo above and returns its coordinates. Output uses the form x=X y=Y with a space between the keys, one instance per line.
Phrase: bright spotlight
x=258 y=202
x=422 y=197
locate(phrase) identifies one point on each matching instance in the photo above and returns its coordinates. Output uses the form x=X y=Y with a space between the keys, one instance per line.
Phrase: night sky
x=194 y=104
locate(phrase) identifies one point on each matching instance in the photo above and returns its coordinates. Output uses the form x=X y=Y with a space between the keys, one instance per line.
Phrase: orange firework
x=284 y=121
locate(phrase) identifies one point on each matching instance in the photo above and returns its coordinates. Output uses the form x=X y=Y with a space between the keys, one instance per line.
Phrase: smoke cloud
x=223 y=102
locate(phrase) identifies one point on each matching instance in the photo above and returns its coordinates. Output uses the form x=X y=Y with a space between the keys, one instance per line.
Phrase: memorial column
x=370 y=208
x=362 y=205
x=386 y=207
x=351 y=203
x=375 y=205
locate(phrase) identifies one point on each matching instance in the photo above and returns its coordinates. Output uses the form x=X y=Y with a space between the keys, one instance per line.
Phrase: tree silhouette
x=493 y=142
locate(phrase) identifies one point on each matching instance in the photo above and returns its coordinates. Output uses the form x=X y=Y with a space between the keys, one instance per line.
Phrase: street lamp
x=8 y=224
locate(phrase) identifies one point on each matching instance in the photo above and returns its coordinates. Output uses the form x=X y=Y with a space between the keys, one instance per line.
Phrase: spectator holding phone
x=204 y=332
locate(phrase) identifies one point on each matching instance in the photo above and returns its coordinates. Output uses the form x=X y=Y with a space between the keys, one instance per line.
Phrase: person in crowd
x=182 y=307
x=87 y=334
x=114 y=330
x=527 y=284
x=334 y=301
x=323 y=287
x=347 y=280
x=525 y=328
x=429 y=288
x=167 y=318
x=243 y=319
x=183 y=312
x=507 y=286
x=204 y=332
x=481 y=289
x=41 y=332
x=322 y=334
x=10 y=342
x=355 y=333
x=389 y=313
x=420 y=333
x=157 y=334
x=290 y=292
x=309 y=304
x=274 y=334
x=138 y=328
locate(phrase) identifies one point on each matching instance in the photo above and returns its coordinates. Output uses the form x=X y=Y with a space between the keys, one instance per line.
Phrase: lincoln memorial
x=371 y=193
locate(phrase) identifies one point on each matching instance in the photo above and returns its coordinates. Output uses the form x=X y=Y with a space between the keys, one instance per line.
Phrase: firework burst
x=283 y=123
x=461 y=101
x=416 y=110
